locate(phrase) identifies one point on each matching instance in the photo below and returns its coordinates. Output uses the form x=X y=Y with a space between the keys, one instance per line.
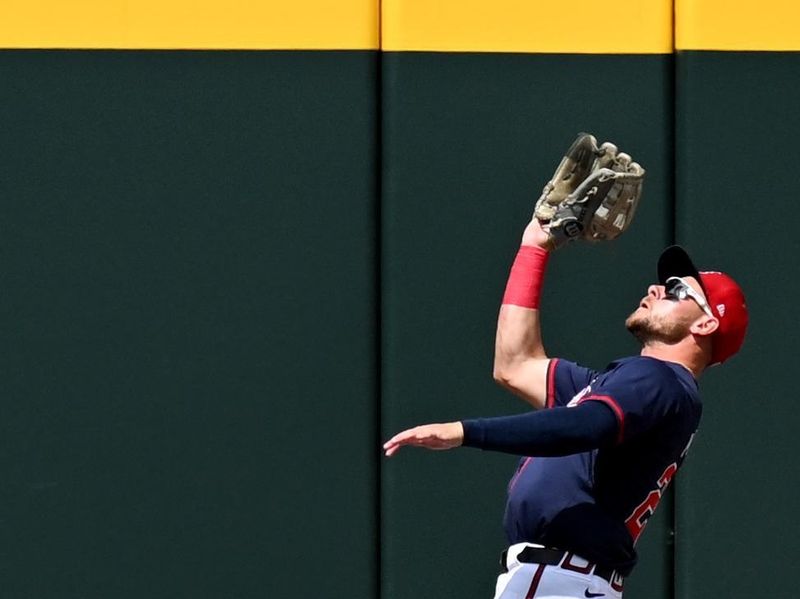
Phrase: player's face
x=665 y=317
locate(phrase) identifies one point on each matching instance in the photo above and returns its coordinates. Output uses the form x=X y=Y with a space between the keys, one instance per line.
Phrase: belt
x=563 y=559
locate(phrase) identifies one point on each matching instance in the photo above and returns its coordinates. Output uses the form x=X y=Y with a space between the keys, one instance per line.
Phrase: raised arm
x=520 y=361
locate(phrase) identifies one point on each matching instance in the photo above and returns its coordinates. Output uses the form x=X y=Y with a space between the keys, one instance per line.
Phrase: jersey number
x=638 y=519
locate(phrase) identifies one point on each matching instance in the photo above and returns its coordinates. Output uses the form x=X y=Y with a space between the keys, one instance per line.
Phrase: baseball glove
x=593 y=194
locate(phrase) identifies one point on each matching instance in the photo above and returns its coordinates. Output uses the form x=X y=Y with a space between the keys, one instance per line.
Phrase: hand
x=535 y=235
x=430 y=436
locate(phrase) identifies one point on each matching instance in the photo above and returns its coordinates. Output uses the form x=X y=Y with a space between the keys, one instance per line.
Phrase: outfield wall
x=242 y=245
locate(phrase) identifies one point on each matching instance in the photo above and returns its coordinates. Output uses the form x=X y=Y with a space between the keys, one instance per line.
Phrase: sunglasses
x=677 y=288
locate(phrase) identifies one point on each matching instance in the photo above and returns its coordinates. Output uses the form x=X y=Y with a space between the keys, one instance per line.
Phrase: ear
x=703 y=326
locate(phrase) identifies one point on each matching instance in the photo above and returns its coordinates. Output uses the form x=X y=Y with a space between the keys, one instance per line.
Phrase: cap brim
x=675 y=262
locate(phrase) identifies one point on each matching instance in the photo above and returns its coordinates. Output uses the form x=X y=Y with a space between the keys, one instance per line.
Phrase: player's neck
x=690 y=357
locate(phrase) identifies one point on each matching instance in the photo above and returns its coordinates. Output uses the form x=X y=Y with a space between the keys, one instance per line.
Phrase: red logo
x=638 y=519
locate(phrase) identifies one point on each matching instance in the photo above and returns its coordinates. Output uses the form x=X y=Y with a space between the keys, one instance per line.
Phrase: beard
x=648 y=328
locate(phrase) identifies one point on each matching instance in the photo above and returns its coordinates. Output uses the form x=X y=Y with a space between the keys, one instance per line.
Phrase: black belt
x=558 y=557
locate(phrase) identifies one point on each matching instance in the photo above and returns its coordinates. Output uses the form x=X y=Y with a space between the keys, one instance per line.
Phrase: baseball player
x=600 y=448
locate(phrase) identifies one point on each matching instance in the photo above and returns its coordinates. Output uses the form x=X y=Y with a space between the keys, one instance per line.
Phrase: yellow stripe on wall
x=192 y=24
x=771 y=25
x=580 y=26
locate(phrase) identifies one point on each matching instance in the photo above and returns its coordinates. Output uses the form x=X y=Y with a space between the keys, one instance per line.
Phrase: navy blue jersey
x=611 y=491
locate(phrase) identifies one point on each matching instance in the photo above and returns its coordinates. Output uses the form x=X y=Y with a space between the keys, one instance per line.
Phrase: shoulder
x=641 y=367
x=646 y=392
x=647 y=378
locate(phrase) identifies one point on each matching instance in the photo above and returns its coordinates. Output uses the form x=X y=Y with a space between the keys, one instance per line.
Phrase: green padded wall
x=188 y=317
x=468 y=142
x=737 y=130
x=227 y=275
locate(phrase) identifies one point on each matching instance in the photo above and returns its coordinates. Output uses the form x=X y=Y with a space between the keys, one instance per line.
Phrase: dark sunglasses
x=677 y=288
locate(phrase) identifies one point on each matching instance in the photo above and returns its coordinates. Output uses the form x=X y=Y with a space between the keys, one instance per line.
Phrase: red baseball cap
x=724 y=297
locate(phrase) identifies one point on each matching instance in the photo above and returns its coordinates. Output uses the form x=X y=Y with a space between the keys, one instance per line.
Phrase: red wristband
x=524 y=286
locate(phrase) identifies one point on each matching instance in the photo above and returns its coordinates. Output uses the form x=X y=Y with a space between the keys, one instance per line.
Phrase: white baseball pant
x=539 y=581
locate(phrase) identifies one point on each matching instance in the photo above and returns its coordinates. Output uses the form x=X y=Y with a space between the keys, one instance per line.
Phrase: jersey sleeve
x=641 y=393
x=565 y=380
x=544 y=433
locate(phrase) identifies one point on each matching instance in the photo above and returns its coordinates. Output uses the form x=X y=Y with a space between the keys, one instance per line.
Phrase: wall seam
x=378 y=277
x=672 y=549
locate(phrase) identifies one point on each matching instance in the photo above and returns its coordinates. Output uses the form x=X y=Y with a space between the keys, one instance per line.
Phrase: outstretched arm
x=556 y=432
x=520 y=361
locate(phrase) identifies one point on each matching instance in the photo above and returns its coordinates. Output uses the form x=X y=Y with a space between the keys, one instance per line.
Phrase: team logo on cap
x=721 y=309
